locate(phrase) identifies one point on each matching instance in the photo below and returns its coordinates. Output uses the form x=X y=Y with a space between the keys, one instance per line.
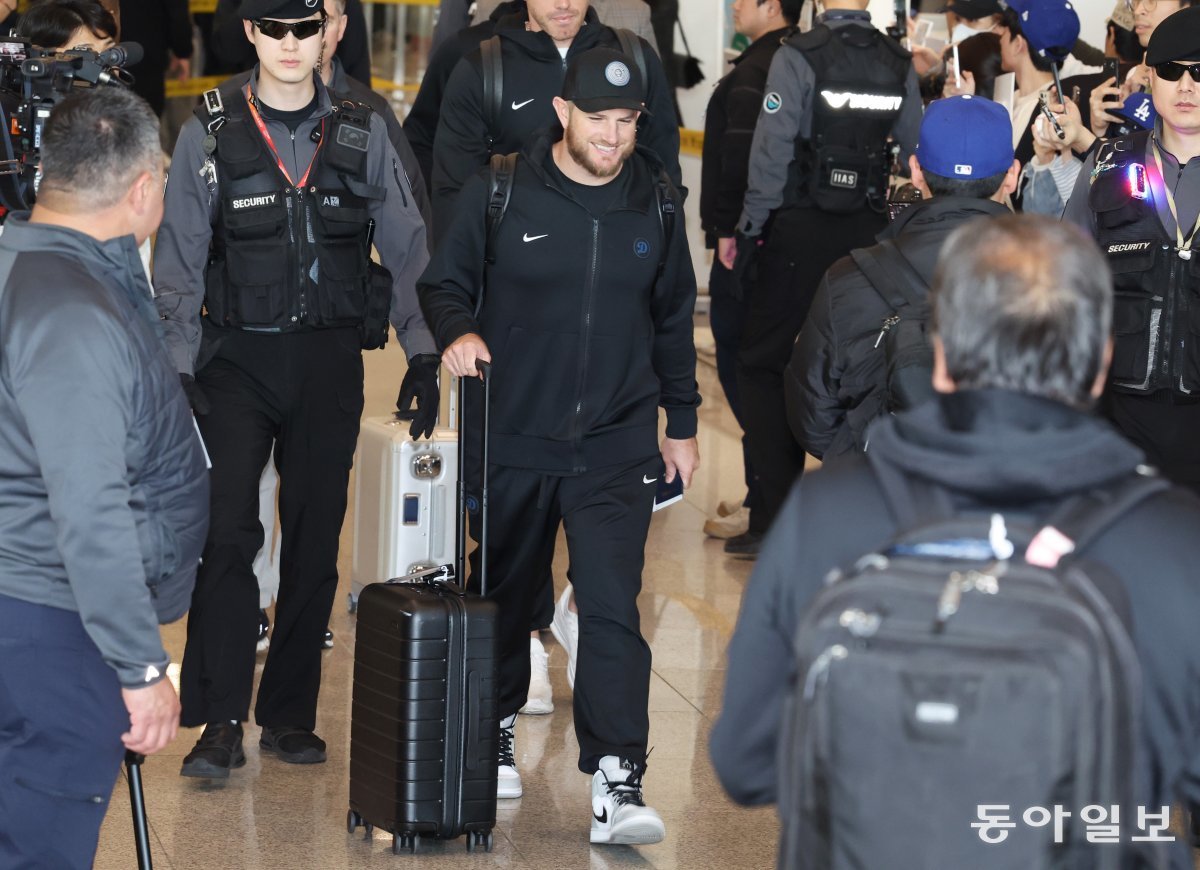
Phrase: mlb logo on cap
x=965 y=137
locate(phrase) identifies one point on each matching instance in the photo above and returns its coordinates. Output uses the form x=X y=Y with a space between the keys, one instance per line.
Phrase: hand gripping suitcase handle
x=485 y=374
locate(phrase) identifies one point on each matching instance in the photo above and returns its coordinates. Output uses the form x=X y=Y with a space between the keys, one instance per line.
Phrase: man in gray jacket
x=103 y=488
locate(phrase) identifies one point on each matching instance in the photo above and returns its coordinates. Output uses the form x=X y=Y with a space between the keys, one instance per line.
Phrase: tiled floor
x=273 y=815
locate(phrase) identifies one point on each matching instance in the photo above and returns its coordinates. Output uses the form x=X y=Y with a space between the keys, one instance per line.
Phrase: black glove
x=745 y=266
x=420 y=383
x=195 y=395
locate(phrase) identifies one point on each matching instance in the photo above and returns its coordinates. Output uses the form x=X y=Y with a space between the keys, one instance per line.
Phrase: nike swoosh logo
x=529 y=238
x=517 y=105
x=648 y=479
x=602 y=818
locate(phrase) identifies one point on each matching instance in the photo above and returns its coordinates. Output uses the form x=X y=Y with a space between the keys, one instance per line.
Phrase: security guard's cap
x=280 y=10
x=965 y=137
x=601 y=78
x=1177 y=37
x=1051 y=27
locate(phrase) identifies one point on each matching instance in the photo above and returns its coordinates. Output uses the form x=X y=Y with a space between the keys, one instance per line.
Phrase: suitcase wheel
x=405 y=842
x=479 y=838
x=353 y=820
x=351 y=603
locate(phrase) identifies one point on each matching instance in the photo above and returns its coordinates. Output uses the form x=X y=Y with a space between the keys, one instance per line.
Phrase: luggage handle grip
x=485 y=374
x=436 y=574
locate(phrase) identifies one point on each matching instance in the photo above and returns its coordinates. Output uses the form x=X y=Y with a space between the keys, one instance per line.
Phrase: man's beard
x=580 y=149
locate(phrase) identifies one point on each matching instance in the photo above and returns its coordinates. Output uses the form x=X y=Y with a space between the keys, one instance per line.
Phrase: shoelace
x=506 y=747
x=627 y=791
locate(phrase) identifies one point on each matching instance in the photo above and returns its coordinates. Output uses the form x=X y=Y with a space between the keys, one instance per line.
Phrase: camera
x=33 y=81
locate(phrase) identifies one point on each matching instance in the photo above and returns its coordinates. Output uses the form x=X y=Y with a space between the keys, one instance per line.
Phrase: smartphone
x=924 y=26
x=1112 y=70
x=668 y=493
x=1044 y=106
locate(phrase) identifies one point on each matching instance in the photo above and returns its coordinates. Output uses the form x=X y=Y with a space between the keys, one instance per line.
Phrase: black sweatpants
x=606 y=515
x=803 y=243
x=304 y=393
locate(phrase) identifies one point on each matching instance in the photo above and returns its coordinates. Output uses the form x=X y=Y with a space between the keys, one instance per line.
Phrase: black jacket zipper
x=577 y=426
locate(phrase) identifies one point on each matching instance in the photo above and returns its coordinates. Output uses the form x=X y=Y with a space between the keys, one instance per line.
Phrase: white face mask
x=962 y=31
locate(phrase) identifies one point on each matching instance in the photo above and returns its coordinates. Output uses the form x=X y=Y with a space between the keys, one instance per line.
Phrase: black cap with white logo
x=280 y=10
x=601 y=78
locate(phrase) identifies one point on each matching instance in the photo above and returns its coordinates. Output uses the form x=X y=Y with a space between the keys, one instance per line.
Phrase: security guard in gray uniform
x=817 y=188
x=263 y=279
x=1139 y=195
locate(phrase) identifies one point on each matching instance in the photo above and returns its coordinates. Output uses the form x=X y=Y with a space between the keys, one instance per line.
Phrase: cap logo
x=772 y=103
x=311 y=4
x=963 y=168
x=617 y=74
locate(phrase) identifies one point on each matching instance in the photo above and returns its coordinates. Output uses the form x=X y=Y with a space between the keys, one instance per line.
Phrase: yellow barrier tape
x=193 y=87
x=202 y=7
x=385 y=85
x=691 y=142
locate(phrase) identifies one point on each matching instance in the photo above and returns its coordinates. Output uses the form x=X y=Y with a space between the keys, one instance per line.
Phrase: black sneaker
x=293 y=745
x=218 y=750
x=264 y=625
x=327 y=643
x=746 y=545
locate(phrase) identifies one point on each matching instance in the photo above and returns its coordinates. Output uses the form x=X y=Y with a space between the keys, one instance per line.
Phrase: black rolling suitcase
x=424 y=728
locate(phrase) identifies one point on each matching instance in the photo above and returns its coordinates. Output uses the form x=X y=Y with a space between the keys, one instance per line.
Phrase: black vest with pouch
x=286 y=258
x=1156 y=310
x=860 y=76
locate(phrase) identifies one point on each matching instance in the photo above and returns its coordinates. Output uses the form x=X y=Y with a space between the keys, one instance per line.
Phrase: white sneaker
x=729 y=526
x=508 y=781
x=618 y=813
x=540 y=699
x=565 y=628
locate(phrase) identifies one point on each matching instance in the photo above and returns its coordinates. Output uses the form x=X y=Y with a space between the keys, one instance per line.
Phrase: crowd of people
x=967 y=303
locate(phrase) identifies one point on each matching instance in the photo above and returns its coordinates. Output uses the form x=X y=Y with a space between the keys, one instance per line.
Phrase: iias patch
x=772 y=103
x=641 y=247
x=617 y=74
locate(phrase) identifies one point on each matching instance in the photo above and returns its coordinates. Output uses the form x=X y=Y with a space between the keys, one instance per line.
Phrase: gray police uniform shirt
x=792 y=79
x=1184 y=182
x=182 y=245
x=627 y=14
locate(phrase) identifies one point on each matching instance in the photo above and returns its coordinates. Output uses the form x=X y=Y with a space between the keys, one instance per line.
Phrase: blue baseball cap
x=1139 y=108
x=1051 y=27
x=965 y=137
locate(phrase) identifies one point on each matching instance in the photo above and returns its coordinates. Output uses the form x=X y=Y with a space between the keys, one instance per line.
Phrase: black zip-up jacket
x=533 y=76
x=728 y=132
x=587 y=338
x=990 y=450
x=834 y=383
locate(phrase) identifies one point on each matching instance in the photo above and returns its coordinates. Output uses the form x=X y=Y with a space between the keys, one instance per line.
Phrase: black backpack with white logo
x=947 y=679
x=902 y=339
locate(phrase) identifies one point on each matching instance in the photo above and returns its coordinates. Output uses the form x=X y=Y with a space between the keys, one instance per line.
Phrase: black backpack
x=902 y=335
x=946 y=674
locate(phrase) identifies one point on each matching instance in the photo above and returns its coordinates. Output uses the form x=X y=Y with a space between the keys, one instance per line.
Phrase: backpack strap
x=631 y=47
x=892 y=275
x=664 y=194
x=493 y=87
x=1084 y=517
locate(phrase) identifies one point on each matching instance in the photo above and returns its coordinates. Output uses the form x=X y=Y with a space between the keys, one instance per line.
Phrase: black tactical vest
x=860 y=75
x=1156 y=310
x=282 y=257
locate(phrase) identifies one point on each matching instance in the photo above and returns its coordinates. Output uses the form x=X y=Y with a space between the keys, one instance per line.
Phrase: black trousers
x=1164 y=427
x=304 y=392
x=803 y=243
x=61 y=720
x=606 y=515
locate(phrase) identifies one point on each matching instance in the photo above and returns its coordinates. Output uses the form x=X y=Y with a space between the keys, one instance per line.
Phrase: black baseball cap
x=1177 y=37
x=973 y=10
x=280 y=10
x=602 y=78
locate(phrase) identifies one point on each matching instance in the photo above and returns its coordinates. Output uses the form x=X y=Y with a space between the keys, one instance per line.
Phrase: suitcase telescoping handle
x=137 y=803
x=460 y=565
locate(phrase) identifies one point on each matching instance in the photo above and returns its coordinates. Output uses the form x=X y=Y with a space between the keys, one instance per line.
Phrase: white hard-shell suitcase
x=404 y=502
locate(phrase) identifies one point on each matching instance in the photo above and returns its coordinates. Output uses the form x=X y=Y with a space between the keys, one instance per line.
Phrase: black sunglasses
x=1173 y=72
x=300 y=29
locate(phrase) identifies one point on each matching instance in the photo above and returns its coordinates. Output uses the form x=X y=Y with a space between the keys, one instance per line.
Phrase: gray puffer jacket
x=103 y=486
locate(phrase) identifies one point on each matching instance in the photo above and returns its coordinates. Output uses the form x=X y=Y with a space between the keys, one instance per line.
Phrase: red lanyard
x=262 y=129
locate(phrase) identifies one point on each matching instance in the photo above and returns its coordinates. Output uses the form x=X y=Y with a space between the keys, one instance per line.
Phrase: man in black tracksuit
x=728 y=131
x=837 y=380
x=535 y=49
x=817 y=189
x=587 y=319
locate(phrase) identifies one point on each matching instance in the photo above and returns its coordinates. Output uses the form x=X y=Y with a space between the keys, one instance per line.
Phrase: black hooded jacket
x=990 y=450
x=838 y=369
x=533 y=76
x=587 y=337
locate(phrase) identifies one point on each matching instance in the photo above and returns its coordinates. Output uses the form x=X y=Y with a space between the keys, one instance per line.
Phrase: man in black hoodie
x=587 y=320
x=1022 y=309
x=836 y=381
x=535 y=47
